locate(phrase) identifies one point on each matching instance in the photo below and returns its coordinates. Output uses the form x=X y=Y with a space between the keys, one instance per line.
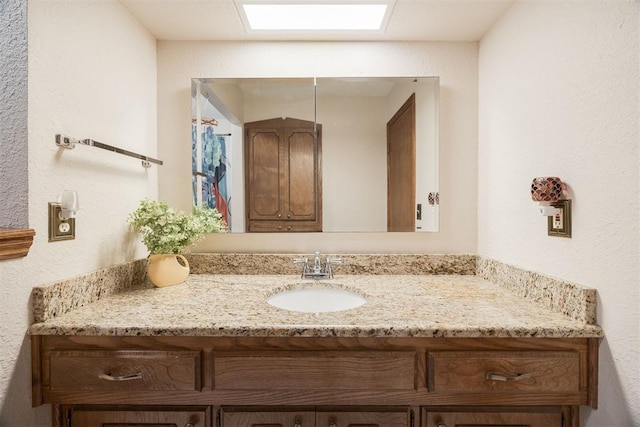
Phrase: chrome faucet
x=317 y=272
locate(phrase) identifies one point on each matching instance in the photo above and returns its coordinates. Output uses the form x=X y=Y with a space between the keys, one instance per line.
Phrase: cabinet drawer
x=330 y=370
x=107 y=416
x=374 y=417
x=124 y=370
x=530 y=371
x=492 y=417
x=267 y=417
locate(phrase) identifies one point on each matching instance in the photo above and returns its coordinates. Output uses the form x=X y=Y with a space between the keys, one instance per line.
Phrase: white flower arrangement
x=167 y=231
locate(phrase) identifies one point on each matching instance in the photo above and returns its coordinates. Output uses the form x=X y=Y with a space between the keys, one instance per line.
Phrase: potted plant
x=168 y=233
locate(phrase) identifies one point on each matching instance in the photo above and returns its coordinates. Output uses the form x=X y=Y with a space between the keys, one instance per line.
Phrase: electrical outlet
x=60 y=229
x=559 y=224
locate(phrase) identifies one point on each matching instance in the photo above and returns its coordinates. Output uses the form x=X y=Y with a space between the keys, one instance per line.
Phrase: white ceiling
x=411 y=20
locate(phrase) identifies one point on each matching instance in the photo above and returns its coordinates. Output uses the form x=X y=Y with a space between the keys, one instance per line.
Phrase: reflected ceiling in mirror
x=356 y=119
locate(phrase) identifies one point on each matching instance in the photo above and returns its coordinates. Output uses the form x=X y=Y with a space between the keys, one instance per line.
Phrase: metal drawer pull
x=496 y=377
x=297 y=424
x=136 y=376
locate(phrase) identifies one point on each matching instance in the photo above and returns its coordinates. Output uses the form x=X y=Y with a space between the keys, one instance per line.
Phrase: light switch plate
x=559 y=225
x=60 y=229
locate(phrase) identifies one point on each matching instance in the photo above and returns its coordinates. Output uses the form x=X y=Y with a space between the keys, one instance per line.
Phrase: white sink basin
x=316 y=300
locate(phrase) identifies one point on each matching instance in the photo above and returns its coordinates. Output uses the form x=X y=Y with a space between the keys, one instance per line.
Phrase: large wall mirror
x=365 y=149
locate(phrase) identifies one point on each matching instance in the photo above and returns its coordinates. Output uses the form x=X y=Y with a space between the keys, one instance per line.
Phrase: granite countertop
x=397 y=306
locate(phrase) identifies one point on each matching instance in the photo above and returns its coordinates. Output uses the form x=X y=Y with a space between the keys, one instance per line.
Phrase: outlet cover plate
x=560 y=225
x=57 y=234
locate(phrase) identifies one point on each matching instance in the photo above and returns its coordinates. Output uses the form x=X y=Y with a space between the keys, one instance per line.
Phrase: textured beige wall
x=91 y=75
x=559 y=95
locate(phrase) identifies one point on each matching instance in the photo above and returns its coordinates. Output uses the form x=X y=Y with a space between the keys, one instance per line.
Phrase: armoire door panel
x=264 y=174
x=302 y=174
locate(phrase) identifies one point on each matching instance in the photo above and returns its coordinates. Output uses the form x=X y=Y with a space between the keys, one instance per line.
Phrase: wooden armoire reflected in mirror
x=283 y=175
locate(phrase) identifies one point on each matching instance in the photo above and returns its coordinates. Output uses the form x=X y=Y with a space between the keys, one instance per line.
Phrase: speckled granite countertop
x=397 y=306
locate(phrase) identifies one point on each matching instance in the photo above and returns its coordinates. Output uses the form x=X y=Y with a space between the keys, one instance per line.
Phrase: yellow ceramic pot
x=166 y=270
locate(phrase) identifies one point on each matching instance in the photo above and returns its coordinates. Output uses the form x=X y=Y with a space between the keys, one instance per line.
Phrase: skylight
x=322 y=16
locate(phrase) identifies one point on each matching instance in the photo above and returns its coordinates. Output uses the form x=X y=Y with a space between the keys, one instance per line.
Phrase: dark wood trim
x=15 y=242
x=58 y=415
x=571 y=416
x=592 y=392
x=36 y=371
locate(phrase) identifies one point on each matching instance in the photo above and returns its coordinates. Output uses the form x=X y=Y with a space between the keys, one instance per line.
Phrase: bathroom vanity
x=422 y=351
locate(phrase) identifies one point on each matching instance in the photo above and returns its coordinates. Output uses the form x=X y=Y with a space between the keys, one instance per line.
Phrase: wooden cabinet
x=283 y=175
x=493 y=417
x=316 y=381
x=107 y=416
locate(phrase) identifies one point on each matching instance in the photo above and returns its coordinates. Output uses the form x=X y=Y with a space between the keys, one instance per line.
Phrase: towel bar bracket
x=66 y=142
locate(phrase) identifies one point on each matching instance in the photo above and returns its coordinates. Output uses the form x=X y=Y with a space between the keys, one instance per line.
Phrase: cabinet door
x=301 y=201
x=364 y=418
x=266 y=179
x=246 y=417
x=140 y=417
x=532 y=417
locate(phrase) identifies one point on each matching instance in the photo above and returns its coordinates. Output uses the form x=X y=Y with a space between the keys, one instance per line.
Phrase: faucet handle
x=303 y=260
x=329 y=262
x=334 y=260
x=305 y=265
